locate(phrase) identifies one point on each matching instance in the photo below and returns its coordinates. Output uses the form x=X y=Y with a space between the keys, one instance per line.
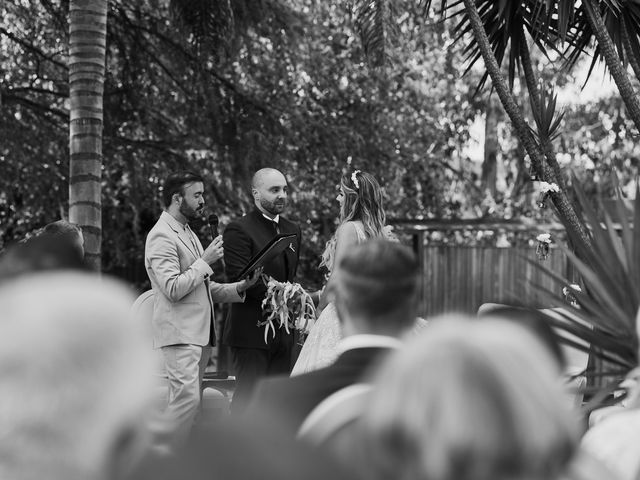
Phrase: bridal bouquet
x=287 y=306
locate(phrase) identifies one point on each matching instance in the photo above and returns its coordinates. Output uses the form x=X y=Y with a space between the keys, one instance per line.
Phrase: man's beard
x=190 y=213
x=272 y=207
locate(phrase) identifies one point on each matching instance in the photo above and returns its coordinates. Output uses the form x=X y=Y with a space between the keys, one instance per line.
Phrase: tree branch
x=36 y=106
x=32 y=48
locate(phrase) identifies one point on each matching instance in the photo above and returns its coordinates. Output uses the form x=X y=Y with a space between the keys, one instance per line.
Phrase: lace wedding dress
x=319 y=349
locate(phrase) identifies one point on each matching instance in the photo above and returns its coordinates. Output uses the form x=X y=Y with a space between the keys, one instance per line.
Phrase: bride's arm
x=346 y=236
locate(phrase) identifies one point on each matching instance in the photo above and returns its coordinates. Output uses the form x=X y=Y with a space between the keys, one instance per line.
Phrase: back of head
x=363 y=200
x=76 y=377
x=376 y=286
x=470 y=401
x=61 y=228
x=176 y=182
x=40 y=253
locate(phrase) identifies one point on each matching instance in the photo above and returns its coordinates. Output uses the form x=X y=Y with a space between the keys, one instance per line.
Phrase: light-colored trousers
x=184 y=366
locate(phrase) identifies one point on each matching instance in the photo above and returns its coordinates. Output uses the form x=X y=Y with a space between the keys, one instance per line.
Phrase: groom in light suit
x=179 y=270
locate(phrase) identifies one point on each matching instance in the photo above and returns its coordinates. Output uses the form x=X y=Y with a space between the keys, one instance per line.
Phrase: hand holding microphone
x=215 y=250
x=212 y=220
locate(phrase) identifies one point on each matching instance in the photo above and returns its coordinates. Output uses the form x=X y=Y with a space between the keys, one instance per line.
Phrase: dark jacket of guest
x=293 y=398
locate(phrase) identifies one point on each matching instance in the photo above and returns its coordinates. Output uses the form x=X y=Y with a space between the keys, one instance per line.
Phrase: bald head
x=263 y=175
x=270 y=190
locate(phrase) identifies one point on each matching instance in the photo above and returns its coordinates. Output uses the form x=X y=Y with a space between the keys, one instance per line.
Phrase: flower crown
x=354 y=179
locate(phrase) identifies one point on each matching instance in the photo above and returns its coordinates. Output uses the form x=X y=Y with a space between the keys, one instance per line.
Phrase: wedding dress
x=319 y=349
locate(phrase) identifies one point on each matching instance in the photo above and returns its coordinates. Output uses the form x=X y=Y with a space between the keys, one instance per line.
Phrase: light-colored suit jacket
x=183 y=309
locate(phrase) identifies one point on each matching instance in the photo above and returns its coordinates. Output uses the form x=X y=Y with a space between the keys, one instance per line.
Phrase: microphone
x=212 y=220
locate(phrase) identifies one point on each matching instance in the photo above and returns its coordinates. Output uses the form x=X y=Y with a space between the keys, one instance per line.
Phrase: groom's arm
x=237 y=253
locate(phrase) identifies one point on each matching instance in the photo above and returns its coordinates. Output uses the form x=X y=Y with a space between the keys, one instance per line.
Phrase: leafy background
x=283 y=84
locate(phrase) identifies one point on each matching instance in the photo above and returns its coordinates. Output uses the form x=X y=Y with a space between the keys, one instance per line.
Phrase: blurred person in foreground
x=375 y=292
x=251 y=447
x=468 y=400
x=76 y=378
x=614 y=439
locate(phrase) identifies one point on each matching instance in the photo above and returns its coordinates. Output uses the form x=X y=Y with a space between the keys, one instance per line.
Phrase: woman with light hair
x=361 y=217
x=468 y=400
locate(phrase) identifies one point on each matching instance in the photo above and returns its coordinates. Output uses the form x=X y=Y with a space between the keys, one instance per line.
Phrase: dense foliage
x=290 y=89
x=283 y=84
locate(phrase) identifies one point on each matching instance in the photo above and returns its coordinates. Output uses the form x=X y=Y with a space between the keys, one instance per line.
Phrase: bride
x=361 y=217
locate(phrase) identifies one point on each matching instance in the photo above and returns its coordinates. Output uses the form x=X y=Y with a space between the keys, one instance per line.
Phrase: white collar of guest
x=275 y=219
x=367 y=341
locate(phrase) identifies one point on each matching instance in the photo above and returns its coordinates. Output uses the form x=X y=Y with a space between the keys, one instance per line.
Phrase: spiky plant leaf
x=605 y=319
x=545 y=117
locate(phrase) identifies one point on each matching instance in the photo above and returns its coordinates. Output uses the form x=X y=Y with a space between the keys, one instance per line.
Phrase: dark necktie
x=277 y=226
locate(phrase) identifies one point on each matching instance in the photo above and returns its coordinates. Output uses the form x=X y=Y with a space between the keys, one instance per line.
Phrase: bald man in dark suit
x=252 y=357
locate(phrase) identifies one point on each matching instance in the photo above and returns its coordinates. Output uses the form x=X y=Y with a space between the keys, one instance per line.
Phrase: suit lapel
x=290 y=253
x=288 y=257
x=181 y=233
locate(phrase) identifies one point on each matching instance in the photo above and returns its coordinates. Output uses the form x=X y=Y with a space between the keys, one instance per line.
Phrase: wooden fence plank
x=460 y=278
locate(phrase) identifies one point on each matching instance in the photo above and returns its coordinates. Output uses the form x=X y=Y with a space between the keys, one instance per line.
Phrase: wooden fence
x=459 y=278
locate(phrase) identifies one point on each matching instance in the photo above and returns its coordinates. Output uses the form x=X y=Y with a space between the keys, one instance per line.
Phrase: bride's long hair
x=363 y=200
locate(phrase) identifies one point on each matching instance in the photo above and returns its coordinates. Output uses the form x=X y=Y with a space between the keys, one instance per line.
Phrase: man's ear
x=254 y=193
x=176 y=197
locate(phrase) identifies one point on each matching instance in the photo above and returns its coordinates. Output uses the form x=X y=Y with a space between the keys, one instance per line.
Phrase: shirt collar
x=275 y=219
x=367 y=341
x=172 y=221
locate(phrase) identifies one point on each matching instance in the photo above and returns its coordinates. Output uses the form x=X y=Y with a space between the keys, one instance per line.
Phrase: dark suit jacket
x=243 y=239
x=292 y=398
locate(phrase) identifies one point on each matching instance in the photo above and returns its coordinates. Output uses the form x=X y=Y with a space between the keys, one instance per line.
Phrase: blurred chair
x=575 y=360
x=327 y=422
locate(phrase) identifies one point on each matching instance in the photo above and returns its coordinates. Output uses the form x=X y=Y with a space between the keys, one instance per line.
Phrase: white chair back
x=334 y=413
x=142 y=310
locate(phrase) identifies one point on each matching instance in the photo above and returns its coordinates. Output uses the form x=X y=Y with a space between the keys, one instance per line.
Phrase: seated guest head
x=40 y=253
x=375 y=289
x=76 y=378
x=468 y=400
x=67 y=232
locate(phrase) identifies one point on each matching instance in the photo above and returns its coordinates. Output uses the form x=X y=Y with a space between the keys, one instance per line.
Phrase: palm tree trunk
x=561 y=201
x=490 y=163
x=87 y=48
x=614 y=64
x=633 y=60
x=536 y=100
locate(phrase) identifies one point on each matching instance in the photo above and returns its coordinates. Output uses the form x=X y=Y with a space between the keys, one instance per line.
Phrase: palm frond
x=546 y=120
x=370 y=19
x=210 y=24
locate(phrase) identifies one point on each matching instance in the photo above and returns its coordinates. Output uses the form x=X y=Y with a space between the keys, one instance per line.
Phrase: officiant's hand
x=249 y=281
x=214 y=251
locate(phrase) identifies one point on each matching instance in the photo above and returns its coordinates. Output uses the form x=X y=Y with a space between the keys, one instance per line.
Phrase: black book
x=272 y=249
